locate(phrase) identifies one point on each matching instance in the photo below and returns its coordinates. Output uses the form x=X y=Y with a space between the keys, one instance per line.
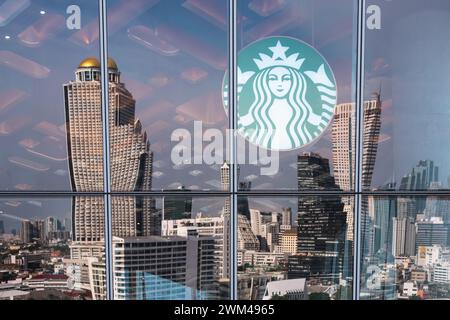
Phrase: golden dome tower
x=89 y=70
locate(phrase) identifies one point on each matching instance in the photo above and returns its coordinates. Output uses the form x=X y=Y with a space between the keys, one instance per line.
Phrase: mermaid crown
x=279 y=58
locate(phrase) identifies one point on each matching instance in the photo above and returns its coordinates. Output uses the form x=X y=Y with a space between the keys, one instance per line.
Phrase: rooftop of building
x=93 y=62
x=49 y=277
x=285 y=286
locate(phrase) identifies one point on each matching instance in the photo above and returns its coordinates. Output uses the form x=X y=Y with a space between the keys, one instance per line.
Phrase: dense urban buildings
x=296 y=229
x=321 y=224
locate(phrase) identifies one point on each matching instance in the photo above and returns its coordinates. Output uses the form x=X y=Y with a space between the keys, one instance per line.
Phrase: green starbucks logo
x=286 y=93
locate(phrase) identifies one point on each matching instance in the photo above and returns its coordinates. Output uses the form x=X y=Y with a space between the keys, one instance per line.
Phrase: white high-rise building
x=343 y=138
x=201 y=226
x=404 y=237
x=344 y=155
x=131 y=159
x=162 y=268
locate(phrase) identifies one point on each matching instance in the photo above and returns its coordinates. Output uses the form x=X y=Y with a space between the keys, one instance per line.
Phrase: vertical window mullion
x=232 y=118
x=106 y=150
x=359 y=135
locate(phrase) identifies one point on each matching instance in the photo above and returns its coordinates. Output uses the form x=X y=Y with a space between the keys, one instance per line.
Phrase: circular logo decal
x=286 y=93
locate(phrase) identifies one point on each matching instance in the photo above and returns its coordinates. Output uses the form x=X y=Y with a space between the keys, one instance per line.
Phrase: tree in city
x=319 y=296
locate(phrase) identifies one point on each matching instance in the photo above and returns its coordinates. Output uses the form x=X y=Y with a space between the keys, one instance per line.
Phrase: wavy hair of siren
x=301 y=110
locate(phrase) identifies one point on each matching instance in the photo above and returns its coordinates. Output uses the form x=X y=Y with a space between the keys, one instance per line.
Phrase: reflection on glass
x=39 y=53
x=295 y=249
x=50 y=250
x=406 y=248
x=295 y=88
x=167 y=120
x=177 y=250
x=405 y=59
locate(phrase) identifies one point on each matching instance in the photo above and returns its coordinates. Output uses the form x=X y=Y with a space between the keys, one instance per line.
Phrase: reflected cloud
x=195 y=173
x=50 y=129
x=87 y=35
x=181 y=119
x=11 y=9
x=194 y=75
x=60 y=157
x=61 y=172
x=24 y=163
x=174 y=185
x=23 y=187
x=29 y=143
x=251 y=177
x=214 y=183
x=150 y=39
x=10 y=98
x=14 y=124
x=23 y=65
x=159 y=164
x=159 y=147
x=195 y=46
x=214 y=12
x=263 y=186
x=266 y=8
x=12 y=204
x=158 y=174
x=159 y=80
x=124 y=12
x=383 y=138
x=180 y=166
x=157 y=128
x=204 y=108
x=155 y=110
x=118 y=17
x=267 y=204
x=45 y=28
x=35 y=203
x=140 y=90
x=277 y=23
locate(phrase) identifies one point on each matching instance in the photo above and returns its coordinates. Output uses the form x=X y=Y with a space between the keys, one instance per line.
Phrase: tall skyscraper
x=424 y=176
x=32 y=230
x=131 y=159
x=321 y=224
x=26 y=231
x=343 y=138
x=177 y=207
x=344 y=155
x=421 y=176
x=437 y=206
x=431 y=232
x=382 y=210
x=242 y=201
x=286 y=218
x=403 y=237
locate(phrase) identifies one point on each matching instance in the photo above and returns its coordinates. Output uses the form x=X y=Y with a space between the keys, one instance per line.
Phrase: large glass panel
x=52 y=248
x=50 y=115
x=295 y=89
x=406 y=248
x=295 y=248
x=406 y=61
x=174 y=247
x=167 y=119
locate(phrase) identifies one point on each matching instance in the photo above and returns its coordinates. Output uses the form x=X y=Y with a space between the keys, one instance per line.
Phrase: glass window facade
x=223 y=149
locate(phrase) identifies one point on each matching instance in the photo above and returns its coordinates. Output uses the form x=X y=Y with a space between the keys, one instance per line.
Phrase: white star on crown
x=279 y=58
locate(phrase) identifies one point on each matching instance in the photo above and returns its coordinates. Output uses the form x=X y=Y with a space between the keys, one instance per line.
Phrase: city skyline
x=168 y=71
